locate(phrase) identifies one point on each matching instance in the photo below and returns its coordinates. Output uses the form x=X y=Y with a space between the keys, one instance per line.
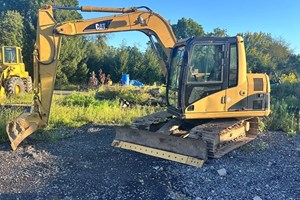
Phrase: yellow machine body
x=207 y=87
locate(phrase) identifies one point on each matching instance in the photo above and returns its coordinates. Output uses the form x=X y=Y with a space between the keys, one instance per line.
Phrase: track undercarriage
x=187 y=141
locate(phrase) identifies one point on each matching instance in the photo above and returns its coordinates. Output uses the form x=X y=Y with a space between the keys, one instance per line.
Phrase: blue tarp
x=136 y=83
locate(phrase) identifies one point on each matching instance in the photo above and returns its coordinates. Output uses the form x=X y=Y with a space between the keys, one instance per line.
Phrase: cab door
x=205 y=88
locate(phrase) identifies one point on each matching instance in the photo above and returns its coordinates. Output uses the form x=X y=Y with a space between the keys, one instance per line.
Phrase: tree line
x=81 y=55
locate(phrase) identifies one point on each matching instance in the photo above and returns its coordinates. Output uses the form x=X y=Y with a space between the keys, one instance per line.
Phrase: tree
x=293 y=64
x=72 y=58
x=135 y=62
x=150 y=70
x=187 y=28
x=71 y=65
x=257 y=47
x=266 y=54
x=11 y=29
x=218 y=32
x=28 y=11
x=73 y=50
x=97 y=49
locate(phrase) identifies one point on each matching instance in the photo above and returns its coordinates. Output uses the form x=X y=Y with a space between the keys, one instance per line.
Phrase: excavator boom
x=47 y=47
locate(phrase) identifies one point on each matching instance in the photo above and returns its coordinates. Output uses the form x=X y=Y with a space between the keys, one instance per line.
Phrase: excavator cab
x=207 y=79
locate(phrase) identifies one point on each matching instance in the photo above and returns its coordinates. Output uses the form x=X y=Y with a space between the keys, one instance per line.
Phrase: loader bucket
x=184 y=150
x=21 y=127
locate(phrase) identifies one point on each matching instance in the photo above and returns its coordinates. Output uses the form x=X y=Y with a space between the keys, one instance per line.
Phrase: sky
x=280 y=18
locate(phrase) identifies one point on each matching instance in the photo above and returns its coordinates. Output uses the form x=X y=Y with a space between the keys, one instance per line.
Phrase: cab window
x=10 y=55
x=233 y=66
x=206 y=64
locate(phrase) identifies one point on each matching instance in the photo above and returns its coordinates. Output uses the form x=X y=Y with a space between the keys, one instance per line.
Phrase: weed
x=280 y=118
x=7 y=115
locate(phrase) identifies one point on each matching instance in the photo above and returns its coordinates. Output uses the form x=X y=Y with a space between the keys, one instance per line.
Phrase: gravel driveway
x=85 y=166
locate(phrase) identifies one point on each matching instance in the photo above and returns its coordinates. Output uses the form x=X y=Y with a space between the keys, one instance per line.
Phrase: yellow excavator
x=14 y=79
x=212 y=103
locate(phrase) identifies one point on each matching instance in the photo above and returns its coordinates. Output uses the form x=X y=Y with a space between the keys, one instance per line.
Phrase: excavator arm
x=47 y=47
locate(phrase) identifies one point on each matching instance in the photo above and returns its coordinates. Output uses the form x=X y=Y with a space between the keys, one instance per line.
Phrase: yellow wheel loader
x=14 y=79
x=212 y=103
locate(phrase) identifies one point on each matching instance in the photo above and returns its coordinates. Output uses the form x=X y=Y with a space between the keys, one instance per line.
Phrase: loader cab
x=201 y=67
x=11 y=55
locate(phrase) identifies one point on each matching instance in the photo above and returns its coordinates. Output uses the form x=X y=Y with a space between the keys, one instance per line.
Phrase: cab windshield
x=10 y=55
x=206 y=64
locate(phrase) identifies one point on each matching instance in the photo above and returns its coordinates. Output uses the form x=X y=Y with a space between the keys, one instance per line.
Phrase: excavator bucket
x=184 y=150
x=21 y=127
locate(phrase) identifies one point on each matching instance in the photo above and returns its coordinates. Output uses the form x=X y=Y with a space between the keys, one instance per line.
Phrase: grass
x=6 y=116
x=78 y=109
x=130 y=93
x=20 y=99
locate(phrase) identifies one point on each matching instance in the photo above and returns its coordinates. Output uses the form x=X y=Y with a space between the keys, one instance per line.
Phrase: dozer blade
x=21 y=127
x=187 y=151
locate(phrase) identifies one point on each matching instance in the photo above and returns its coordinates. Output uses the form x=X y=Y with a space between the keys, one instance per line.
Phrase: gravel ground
x=85 y=166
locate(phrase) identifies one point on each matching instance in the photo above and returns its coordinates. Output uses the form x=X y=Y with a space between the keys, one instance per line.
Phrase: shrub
x=130 y=93
x=285 y=98
x=280 y=118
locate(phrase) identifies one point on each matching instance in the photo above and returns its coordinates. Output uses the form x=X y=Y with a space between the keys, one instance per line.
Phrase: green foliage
x=80 y=100
x=257 y=51
x=5 y=116
x=28 y=11
x=150 y=70
x=285 y=98
x=266 y=54
x=25 y=98
x=11 y=29
x=218 y=32
x=142 y=66
x=19 y=29
x=280 y=118
x=79 y=109
x=97 y=49
x=293 y=64
x=71 y=65
x=131 y=94
x=288 y=90
x=187 y=28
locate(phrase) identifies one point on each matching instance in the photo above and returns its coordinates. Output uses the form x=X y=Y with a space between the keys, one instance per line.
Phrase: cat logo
x=100 y=26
